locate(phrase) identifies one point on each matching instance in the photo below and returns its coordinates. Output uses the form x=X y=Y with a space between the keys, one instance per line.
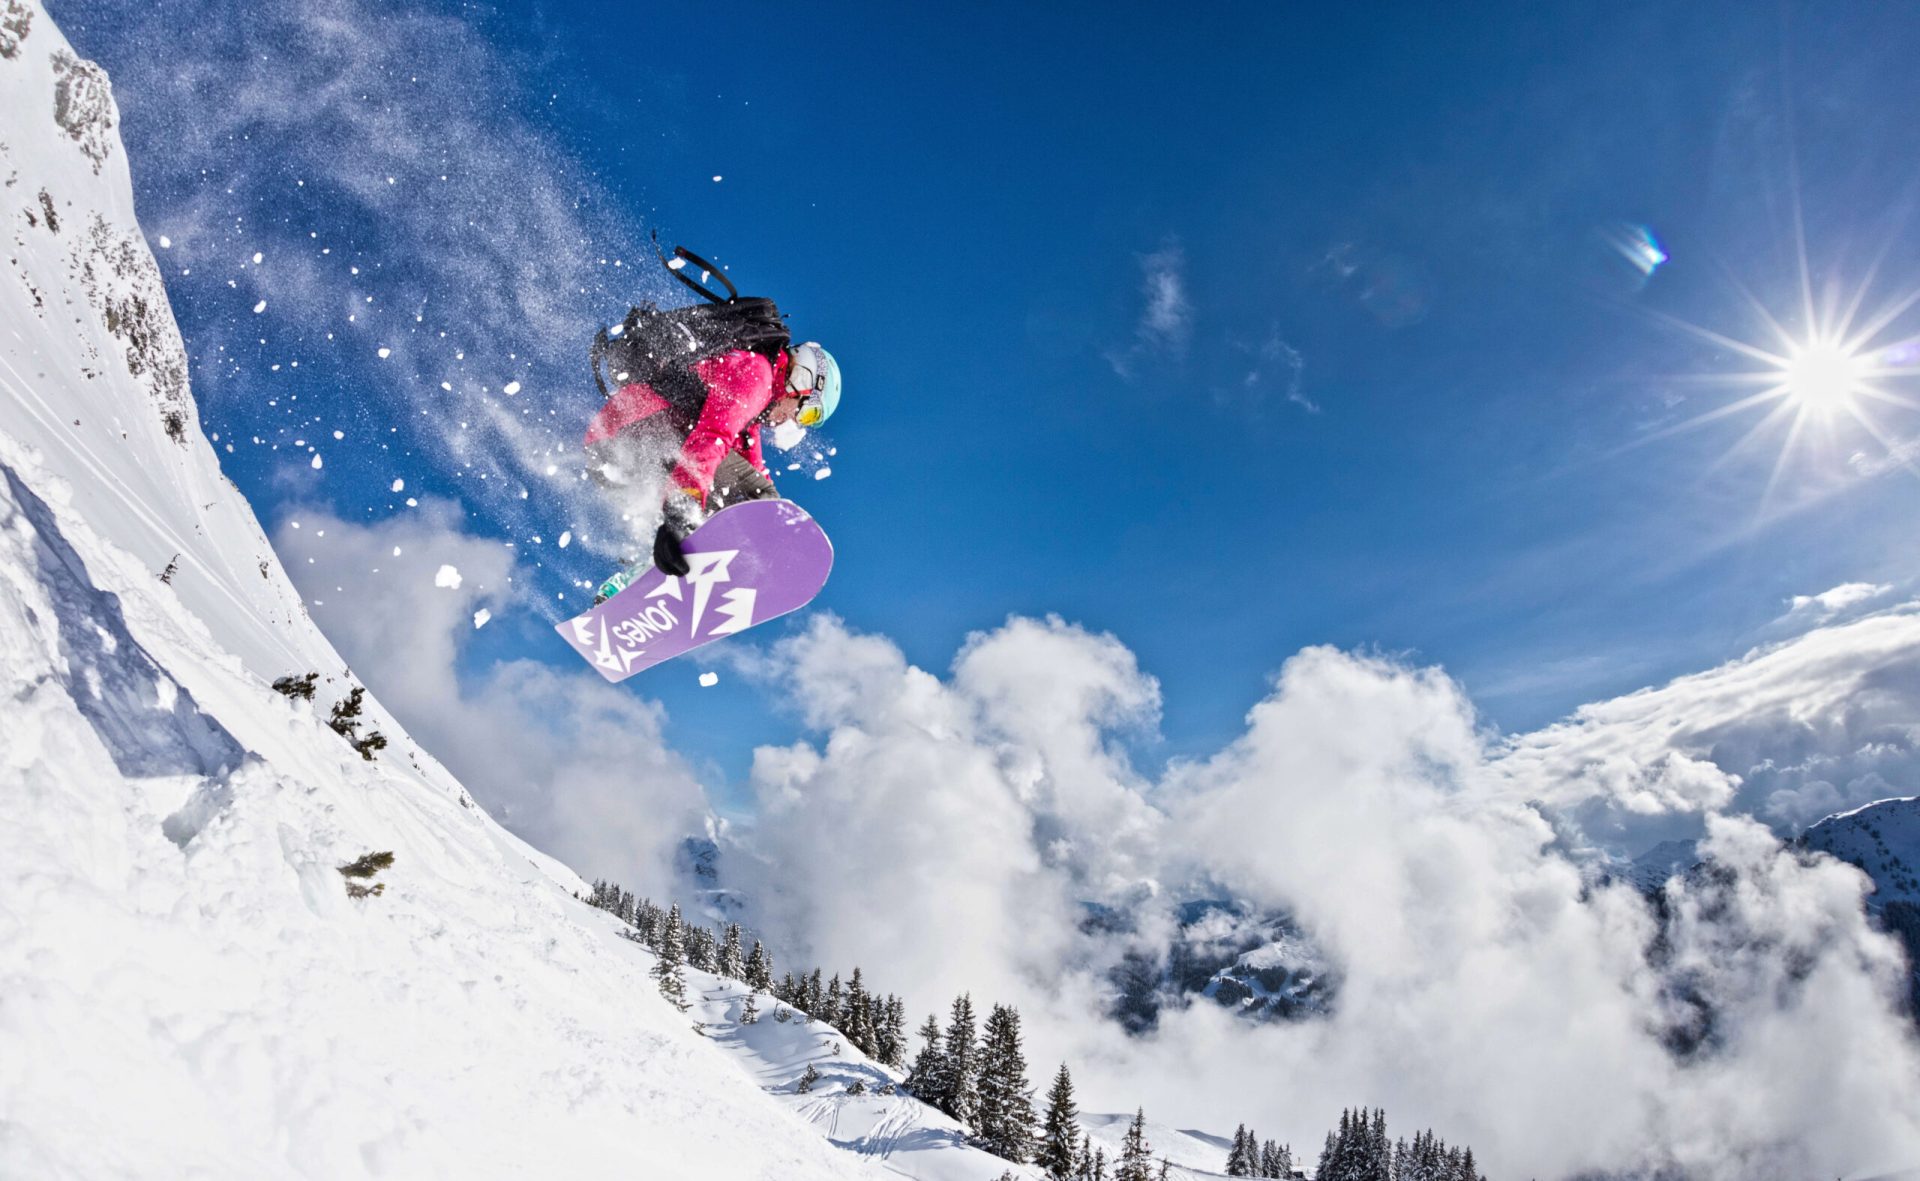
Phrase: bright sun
x=1825 y=376
x=1837 y=375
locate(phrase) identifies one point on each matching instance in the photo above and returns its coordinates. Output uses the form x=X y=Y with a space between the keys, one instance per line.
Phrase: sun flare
x=1831 y=383
x=1825 y=376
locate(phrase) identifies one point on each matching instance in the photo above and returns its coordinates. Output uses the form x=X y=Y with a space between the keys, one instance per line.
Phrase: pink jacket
x=740 y=387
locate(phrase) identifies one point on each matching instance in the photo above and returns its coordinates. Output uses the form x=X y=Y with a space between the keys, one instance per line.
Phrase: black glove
x=668 y=557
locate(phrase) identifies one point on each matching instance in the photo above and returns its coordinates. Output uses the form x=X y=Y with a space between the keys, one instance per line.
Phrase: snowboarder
x=692 y=389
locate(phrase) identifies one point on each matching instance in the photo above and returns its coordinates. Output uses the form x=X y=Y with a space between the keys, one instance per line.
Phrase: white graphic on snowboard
x=616 y=647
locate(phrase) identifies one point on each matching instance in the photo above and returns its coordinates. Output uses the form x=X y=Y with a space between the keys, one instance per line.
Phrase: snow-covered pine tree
x=929 y=1066
x=733 y=964
x=1379 y=1148
x=345 y=718
x=856 y=991
x=783 y=991
x=1324 y=1171
x=1083 y=1162
x=1237 y=1155
x=1099 y=1170
x=1166 y=1169
x=1426 y=1156
x=807 y=1080
x=893 y=1032
x=750 y=1009
x=671 y=954
x=1468 y=1170
x=1136 y=1155
x=833 y=1010
x=1058 y=1154
x=859 y=1026
x=1005 y=1121
x=816 y=998
x=959 y=1082
x=701 y=948
x=760 y=969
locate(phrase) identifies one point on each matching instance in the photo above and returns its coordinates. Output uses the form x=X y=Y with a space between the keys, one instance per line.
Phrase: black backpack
x=660 y=346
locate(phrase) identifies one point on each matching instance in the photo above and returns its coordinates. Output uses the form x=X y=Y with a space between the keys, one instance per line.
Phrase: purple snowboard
x=751 y=563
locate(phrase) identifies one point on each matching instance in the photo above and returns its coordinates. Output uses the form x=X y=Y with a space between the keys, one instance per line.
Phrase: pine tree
x=700 y=948
x=666 y=969
x=732 y=964
x=831 y=1013
x=859 y=1027
x=959 y=1091
x=1379 y=1148
x=807 y=1080
x=816 y=998
x=1083 y=1164
x=1136 y=1155
x=345 y=718
x=1005 y=1119
x=760 y=969
x=1099 y=1170
x=750 y=1010
x=929 y=1067
x=1060 y=1132
x=1468 y=1170
x=893 y=1032
x=1237 y=1155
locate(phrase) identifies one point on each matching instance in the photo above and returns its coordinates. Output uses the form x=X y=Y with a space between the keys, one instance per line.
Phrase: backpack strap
x=677 y=268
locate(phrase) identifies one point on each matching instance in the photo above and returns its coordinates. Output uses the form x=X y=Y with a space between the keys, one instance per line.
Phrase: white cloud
x=577 y=767
x=1844 y=597
x=943 y=832
x=1166 y=319
x=1792 y=730
x=1276 y=361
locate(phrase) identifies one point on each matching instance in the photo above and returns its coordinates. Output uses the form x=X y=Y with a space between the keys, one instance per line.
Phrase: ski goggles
x=812 y=411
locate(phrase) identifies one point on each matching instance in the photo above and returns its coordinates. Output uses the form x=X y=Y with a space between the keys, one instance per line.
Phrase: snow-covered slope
x=1193 y=1154
x=1883 y=839
x=186 y=987
x=1650 y=871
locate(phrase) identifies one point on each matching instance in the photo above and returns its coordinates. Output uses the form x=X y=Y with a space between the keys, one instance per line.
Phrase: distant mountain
x=1260 y=965
x=1883 y=839
x=1651 y=869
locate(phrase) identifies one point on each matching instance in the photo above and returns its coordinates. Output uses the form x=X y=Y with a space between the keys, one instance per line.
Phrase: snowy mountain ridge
x=1883 y=839
x=190 y=986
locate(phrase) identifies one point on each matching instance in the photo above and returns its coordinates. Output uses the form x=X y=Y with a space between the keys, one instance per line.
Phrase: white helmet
x=814 y=378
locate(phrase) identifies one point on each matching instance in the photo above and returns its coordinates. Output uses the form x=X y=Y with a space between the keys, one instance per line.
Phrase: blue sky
x=1229 y=331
